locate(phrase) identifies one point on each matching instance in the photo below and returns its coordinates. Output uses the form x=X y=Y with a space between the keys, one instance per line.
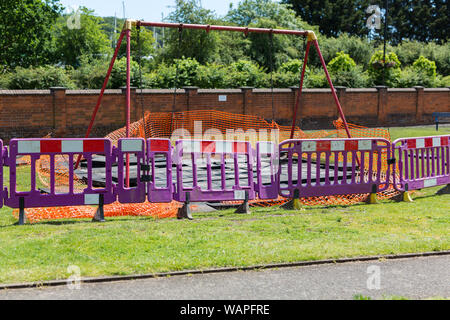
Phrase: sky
x=149 y=10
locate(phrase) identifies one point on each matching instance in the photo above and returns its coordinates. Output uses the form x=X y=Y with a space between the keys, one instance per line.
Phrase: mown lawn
x=130 y=245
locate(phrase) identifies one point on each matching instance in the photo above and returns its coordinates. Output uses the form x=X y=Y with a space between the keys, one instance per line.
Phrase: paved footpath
x=413 y=277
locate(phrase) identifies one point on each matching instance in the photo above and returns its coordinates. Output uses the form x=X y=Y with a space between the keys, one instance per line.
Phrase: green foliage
x=196 y=44
x=409 y=51
x=91 y=74
x=416 y=20
x=246 y=73
x=359 y=48
x=146 y=45
x=344 y=72
x=353 y=78
x=5 y=79
x=89 y=40
x=119 y=74
x=269 y=14
x=316 y=79
x=26 y=32
x=392 y=69
x=211 y=76
x=342 y=62
x=333 y=17
x=39 y=78
x=293 y=65
x=425 y=66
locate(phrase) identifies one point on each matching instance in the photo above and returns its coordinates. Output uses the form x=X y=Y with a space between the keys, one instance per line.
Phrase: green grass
x=130 y=245
x=417 y=131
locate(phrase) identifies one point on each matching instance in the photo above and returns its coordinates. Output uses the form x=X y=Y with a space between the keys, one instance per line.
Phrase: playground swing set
x=129 y=172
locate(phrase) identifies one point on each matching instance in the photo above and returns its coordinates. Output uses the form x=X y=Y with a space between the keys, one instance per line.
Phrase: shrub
x=119 y=73
x=353 y=78
x=40 y=78
x=392 y=70
x=91 y=75
x=358 y=48
x=425 y=66
x=342 y=62
x=211 y=76
x=5 y=78
x=246 y=73
x=316 y=79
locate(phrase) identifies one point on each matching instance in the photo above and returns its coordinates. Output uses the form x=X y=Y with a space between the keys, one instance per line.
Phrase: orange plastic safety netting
x=206 y=124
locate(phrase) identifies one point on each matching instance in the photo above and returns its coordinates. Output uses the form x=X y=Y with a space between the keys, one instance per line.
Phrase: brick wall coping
x=93 y=91
x=216 y=91
x=24 y=92
x=437 y=89
x=229 y=91
x=268 y=90
x=361 y=90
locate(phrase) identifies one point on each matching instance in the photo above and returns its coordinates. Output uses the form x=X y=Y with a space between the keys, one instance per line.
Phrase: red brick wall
x=34 y=113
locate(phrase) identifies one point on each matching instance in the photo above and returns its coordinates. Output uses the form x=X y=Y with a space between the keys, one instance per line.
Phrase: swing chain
x=271 y=71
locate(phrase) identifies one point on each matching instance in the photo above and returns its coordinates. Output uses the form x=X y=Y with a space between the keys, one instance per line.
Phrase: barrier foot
x=185 y=211
x=244 y=207
x=293 y=204
x=404 y=196
x=22 y=218
x=372 y=199
x=444 y=190
x=100 y=213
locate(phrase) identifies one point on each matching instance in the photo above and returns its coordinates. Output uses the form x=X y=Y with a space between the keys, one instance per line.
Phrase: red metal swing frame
x=126 y=32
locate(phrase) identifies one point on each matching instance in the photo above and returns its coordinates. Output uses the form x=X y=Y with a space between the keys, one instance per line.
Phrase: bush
x=91 y=75
x=392 y=70
x=119 y=74
x=359 y=49
x=246 y=73
x=316 y=79
x=5 y=78
x=409 y=51
x=342 y=62
x=211 y=76
x=425 y=66
x=353 y=78
x=40 y=78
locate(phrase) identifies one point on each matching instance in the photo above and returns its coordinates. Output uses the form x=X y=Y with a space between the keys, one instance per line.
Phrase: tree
x=26 y=30
x=334 y=17
x=196 y=44
x=269 y=14
x=89 y=40
x=423 y=20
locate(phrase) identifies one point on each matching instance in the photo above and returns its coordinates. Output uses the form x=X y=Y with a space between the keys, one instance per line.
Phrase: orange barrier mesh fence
x=207 y=124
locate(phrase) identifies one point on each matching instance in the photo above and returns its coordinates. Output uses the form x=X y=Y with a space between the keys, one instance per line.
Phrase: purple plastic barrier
x=136 y=147
x=266 y=169
x=3 y=155
x=422 y=162
x=219 y=152
x=320 y=179
x=35 y=148
x=159 y=154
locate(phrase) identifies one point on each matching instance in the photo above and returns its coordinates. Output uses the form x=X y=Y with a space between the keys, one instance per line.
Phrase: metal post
x=105 y=83
x=128 y=94
x=21 y=211
x=384 y=40
x=333 y=91
x=100 y=213
x=297 y=101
